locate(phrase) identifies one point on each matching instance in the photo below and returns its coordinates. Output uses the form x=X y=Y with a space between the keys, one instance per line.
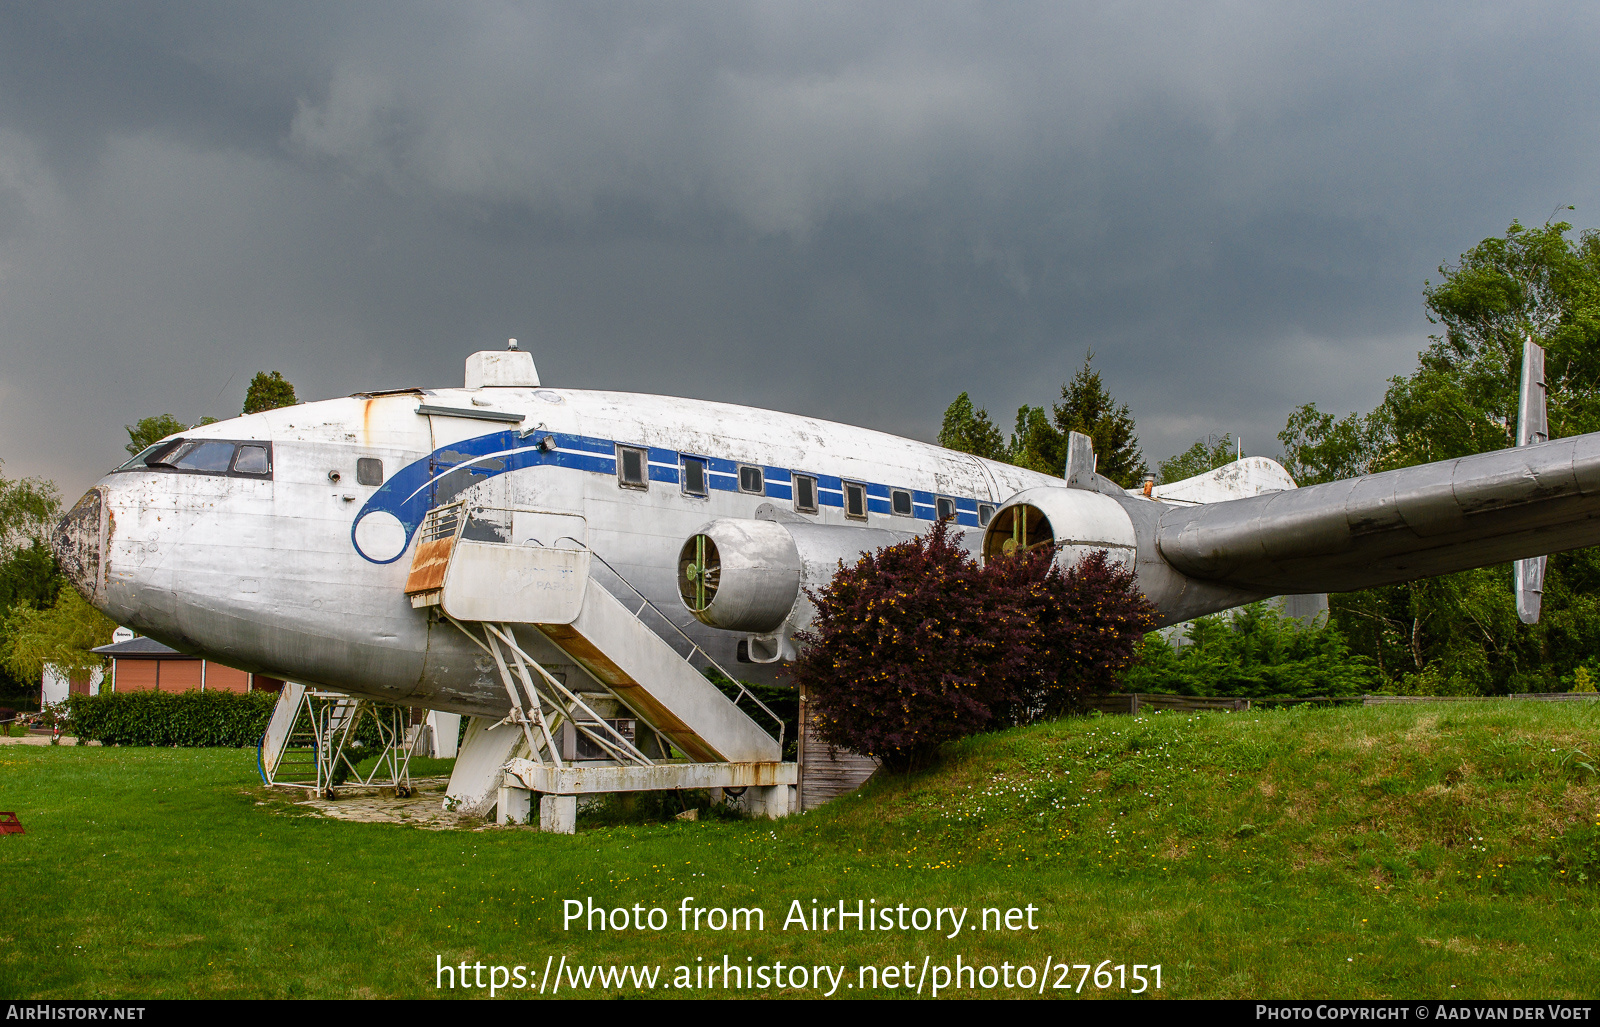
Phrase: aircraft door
x=546 y=506
x=548 y=528
x=459 y=469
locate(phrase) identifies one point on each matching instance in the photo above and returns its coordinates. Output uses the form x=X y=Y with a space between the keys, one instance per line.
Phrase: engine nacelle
x=745 y=574
x=1077 y=521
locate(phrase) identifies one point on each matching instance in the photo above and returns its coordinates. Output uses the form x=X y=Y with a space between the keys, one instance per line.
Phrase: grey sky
x=851 y=210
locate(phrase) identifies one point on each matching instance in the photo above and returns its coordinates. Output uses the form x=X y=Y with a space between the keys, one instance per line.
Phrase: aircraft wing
x=1396 y=526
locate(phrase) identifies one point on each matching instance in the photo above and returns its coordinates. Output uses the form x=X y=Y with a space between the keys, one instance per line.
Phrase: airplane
x=289 y=542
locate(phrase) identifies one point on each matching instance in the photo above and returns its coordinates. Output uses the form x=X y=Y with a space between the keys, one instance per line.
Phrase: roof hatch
x=502 y=367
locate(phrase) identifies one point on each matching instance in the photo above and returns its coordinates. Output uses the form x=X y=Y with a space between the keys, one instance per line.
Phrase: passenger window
x=946 y=508
x=369 y=471
x=985 y=514
x=209 y=457
x=805 y=493
x=750 y=479
x=900 y=502
x=251 y=460
x=694 y=477
x=855 y=501
x=632 y=467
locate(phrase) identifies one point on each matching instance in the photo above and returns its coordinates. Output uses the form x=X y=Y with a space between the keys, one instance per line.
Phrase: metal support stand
x=318 y=746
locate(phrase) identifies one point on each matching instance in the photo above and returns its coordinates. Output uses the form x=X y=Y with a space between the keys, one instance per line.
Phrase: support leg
x=558 y=814
x=513 y=805
x=476 y=777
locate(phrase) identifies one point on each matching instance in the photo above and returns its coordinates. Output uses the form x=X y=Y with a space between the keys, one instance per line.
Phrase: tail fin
x=1533 y=427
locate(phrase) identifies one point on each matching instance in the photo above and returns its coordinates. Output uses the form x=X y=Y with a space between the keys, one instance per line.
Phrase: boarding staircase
x=692 y=736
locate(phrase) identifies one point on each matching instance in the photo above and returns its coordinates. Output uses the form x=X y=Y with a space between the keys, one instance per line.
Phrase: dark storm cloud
x=850 y=210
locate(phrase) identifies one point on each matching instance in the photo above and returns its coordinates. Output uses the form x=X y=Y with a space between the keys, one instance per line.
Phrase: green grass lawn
x=1414 y=851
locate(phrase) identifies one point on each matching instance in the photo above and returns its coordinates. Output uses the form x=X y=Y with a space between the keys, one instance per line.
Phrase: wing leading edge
x=1396 y=526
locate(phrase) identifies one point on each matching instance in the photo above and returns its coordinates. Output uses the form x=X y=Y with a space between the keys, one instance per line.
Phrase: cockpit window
x=138 y=461
x=206 y=456
x=253 y=460
x=210 y=457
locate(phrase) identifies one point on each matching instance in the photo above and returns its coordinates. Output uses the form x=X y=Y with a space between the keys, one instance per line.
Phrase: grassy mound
x=1409 y=851
x=1480 y=798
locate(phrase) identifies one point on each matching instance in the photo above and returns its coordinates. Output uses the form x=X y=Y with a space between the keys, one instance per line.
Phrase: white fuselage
x=300 y=573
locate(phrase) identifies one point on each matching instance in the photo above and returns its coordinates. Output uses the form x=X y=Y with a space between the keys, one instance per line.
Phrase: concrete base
x=577 y=779
x=558 y=814
x=513 y=806
x=771 y=801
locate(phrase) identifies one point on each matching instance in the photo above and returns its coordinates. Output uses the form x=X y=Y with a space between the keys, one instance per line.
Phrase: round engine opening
x=699 y=572
x=1017 y=529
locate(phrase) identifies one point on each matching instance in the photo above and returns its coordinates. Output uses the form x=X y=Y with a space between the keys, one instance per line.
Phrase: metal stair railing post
x=518 y=714
x=537 y=699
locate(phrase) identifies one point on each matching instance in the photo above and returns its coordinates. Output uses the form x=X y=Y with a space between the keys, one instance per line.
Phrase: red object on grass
x=9 y=824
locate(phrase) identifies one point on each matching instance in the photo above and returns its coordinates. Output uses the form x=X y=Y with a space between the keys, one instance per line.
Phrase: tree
x=971 y=431
x=150 y=430
x=29 y=577
x=1206 y=454
x=1088 y=409
x=28 y=508
x=1039 y=438
x=1317 y=448
x=61 y=634
x=1036 y=444
x=268 y=392
x=1255 y=652
x=1459 y=634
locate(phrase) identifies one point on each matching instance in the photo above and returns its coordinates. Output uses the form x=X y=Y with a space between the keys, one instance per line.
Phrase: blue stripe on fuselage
x=443 y=475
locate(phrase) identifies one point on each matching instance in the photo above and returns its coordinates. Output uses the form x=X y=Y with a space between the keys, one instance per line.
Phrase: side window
x=946 y=508
x=694 y=477
x=855 y=501
x=750 y=479
x=369 y=471
x=251 y=460
x=900 y=502
x=632 y=467
x=985 y=514
x=805 y=493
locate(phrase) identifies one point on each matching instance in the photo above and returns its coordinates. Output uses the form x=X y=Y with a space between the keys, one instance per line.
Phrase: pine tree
x=971 y=431
x=1087 y=408
x=1036 y=444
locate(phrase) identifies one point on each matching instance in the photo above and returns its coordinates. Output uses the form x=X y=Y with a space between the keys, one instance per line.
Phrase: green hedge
x=172 y=718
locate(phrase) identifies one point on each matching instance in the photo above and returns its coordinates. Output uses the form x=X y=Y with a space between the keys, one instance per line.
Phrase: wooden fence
x=826 y=772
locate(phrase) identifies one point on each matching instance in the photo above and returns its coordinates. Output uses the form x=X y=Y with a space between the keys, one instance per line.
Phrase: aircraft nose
x=79 y=544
